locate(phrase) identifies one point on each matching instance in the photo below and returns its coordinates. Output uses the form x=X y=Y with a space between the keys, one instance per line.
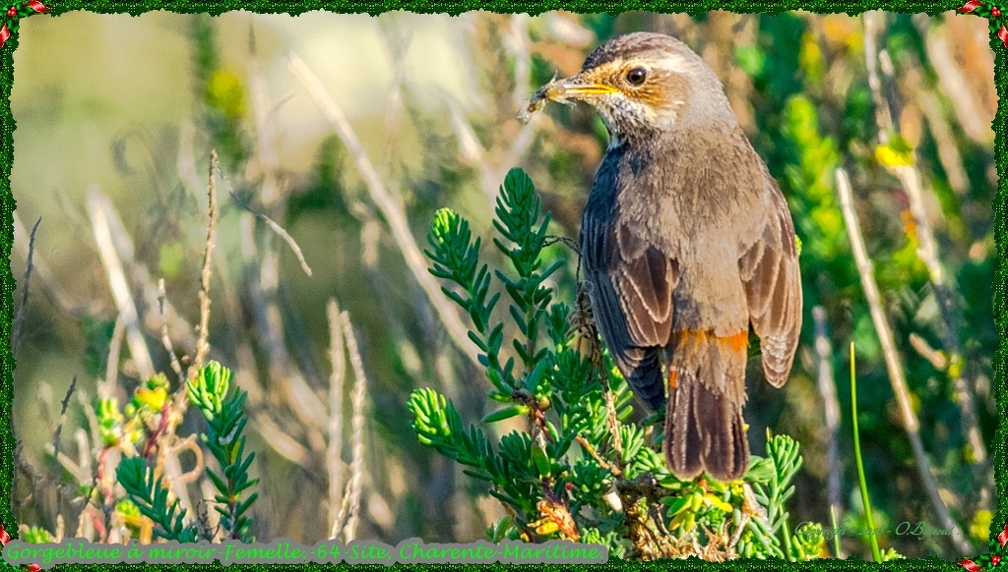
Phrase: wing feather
x=631 y=285
x=769 y=271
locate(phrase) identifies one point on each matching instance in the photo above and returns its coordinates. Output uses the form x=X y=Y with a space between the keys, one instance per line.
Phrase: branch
x=351 y=499
x=893 y=366
x=203 y=331
x=98 y=207
x=333 y=451
x=165 y=338
x=279 y=230
x=16 y=330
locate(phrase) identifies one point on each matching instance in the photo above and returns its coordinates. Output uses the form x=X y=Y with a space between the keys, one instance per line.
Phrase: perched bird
x=685 y=241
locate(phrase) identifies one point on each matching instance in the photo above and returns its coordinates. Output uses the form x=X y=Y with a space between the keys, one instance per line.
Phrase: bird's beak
x=575 y=87
x=562 y=91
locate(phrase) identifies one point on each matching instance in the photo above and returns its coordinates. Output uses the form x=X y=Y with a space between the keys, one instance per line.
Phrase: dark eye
x=636 y=76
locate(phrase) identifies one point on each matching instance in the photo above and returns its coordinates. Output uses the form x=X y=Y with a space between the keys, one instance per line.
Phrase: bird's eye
x=636 y=76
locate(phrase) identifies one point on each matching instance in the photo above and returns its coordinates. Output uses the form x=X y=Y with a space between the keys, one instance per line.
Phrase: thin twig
x=948 y=150
x=351 y=500
x=202 y=347
x=16 y=330
x=107 y=389
x=389 y=207
x=333 y=451
x=936 y=358
x=895 y=369
x=165 y=338
x=882 y=116
x=831 y=406
x=279 y=230
x=66 y=304
x=98 y=209
x=293 y=388
x=59 y=430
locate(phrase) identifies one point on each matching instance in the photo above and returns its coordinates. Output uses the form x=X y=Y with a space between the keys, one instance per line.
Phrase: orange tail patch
x=738 y=342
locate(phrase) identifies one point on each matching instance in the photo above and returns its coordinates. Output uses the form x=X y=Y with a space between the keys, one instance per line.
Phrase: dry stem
x=98 y=209
x=895 y=369
x=831 y=405
x=333 y=451
x=351 y=498
x=107 y=388
x=202 y=346
x=16 y=330
x=165 y=338
x=389 y=207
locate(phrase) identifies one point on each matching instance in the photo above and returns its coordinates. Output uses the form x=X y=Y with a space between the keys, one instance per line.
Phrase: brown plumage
x=686 y=240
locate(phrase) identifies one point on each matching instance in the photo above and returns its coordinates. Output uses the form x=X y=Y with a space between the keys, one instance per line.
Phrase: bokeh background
x=116 y=117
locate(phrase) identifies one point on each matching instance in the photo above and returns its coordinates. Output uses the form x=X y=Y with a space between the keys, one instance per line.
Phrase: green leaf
x=506 y=413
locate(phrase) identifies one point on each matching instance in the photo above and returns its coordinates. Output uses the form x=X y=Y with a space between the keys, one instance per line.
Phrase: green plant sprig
x=857 y=460
x=151 y=497
x=225 y=438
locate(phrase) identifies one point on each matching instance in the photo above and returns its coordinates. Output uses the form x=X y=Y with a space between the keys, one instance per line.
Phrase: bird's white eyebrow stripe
x=672 y=63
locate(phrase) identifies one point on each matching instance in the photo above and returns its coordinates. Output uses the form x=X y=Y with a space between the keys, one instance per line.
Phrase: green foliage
x=147 y=495
x=546 y=366
x=771 y=478
x=225 y=438
x=223 y=95
x=151 y=497
x=37 y=535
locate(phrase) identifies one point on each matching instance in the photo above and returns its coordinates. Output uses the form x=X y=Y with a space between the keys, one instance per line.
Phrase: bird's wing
x=630 y=286
x=769 y=270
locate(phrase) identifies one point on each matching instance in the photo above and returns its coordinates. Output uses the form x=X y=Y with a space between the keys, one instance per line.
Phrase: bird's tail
x=703 y=419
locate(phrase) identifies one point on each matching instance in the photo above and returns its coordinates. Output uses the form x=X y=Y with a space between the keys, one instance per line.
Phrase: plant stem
x=897 y=378
x=857 y=459
x=786 y=527
x=836 y=537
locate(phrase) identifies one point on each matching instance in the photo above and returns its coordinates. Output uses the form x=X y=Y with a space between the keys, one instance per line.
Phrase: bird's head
x=645 y=85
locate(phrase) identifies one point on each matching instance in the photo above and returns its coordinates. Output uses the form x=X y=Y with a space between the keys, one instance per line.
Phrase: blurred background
x=351 y=131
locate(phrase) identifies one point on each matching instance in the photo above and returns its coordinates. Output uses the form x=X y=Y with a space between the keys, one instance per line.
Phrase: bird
x=686 y=242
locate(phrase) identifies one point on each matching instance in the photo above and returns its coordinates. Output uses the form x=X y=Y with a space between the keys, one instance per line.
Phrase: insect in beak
x=562 y=91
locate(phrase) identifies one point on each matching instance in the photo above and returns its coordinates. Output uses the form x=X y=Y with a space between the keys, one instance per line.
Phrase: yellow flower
x=225 y=93
x=896 y=153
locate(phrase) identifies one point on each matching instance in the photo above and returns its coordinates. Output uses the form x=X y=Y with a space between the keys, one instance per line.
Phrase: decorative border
x=995 y=18
x=998 y=39
x=14 y=14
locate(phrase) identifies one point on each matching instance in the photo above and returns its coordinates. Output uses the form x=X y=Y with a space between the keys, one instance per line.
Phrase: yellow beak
x=561 y=91
x=573 y=87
